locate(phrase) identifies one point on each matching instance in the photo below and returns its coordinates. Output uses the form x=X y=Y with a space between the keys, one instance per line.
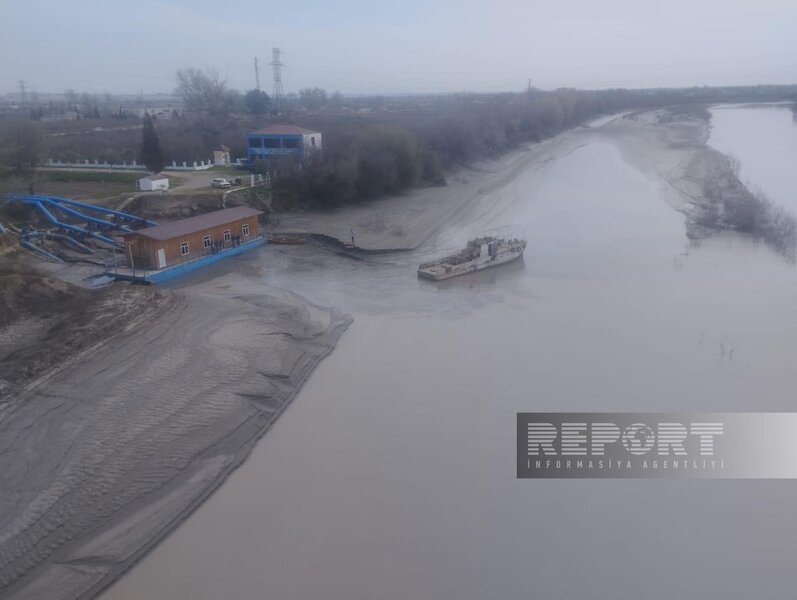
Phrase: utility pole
x=257 y=76
x=277 y=65
x=23 y=91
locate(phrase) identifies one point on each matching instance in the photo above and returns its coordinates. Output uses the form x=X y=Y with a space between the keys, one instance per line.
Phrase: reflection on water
x=392 y=475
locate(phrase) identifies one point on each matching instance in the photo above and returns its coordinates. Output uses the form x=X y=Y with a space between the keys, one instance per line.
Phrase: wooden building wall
x=144 y=250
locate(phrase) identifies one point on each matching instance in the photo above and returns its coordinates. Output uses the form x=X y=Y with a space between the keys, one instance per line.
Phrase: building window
x=245 y=229
x=206 y=241
x=255 y=143
x=271 y=143
x=312 y=141
x=227 y=236
x=184 y=248
x=290 y=143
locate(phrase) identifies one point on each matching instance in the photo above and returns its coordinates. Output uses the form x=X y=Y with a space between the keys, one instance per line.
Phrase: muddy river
x=392 y=474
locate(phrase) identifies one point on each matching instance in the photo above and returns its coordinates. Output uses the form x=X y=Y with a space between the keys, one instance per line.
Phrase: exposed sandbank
x=669 y=147
x=105 y=458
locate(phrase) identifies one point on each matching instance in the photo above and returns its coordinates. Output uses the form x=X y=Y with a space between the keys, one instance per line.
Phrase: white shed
x=152 y=183
x=221 y=156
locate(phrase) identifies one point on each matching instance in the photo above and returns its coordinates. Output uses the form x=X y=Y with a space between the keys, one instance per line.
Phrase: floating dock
x=154 y=276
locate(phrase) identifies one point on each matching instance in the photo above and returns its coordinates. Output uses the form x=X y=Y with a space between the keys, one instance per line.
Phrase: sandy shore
x=104 y=458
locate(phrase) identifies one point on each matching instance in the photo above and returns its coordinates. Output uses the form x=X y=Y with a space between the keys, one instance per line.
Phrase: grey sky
x=362 y=46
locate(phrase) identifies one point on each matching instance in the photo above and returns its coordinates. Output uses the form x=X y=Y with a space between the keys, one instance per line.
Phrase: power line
x=257 y=75
x=278 y=92
x=23 y=91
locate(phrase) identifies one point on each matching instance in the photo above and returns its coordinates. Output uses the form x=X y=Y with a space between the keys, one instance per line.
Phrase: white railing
x=128 y=166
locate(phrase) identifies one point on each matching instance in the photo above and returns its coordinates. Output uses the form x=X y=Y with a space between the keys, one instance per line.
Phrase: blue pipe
x=37 y=250
x=81 y=216
x=42 y=200
x=61 y=202
x=48 y=235
x=57 y=203
x=66 y=226
x=122 y=215
x=71 y=241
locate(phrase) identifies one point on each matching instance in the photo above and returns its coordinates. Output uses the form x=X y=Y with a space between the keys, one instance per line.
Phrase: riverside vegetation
x=376 y=146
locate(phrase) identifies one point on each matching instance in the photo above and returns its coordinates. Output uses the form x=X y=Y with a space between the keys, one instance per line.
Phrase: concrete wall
x=96 y=164
x=312 y=142
x=130 y=166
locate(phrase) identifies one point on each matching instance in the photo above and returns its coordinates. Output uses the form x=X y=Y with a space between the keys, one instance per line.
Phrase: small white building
x=153 y=183
x=161 y=113
x=221 y=156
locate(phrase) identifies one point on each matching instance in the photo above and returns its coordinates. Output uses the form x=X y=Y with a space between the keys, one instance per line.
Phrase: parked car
x=220 y=182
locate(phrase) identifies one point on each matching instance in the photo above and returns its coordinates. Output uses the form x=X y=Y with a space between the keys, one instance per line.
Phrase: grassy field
x=80 y=185
x=91 y=176
x=124 y=178
x=228 y=172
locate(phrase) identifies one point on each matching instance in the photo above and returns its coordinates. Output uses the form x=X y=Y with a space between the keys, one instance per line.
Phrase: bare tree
x=26 y=149
x=204 y=92
x=71 y=97
x=313 y=98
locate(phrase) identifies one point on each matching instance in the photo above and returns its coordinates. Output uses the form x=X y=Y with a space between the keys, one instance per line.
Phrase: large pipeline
x=109 y=211
x=30 y=246
x=47 y=204
x=71 y=242
x=66 y=226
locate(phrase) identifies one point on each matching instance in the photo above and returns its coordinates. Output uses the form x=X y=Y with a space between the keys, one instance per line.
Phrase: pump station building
x=192 y=242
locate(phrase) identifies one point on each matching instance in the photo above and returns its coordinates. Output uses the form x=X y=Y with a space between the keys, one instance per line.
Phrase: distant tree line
x=387 y=152
x=372 y=145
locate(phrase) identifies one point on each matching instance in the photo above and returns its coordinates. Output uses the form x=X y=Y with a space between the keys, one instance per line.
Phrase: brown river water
x=392 y=474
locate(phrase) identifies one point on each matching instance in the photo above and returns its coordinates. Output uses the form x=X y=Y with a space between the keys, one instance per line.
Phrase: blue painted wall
x=178 y=271
x=267 y=145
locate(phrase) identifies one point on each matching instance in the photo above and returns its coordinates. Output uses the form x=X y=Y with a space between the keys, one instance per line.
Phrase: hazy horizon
x=358 y=47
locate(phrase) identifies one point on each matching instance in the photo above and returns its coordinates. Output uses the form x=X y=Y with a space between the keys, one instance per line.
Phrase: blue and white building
x=282 y=140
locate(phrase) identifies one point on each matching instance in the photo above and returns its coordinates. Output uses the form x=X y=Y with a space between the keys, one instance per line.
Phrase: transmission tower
x=23 y=91
x=257 y=75
x=276 y=63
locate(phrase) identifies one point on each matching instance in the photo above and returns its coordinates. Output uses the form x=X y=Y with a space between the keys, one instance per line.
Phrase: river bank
x=47 y=323
x=121 y=448
x=669 y=145
x=103 y=459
